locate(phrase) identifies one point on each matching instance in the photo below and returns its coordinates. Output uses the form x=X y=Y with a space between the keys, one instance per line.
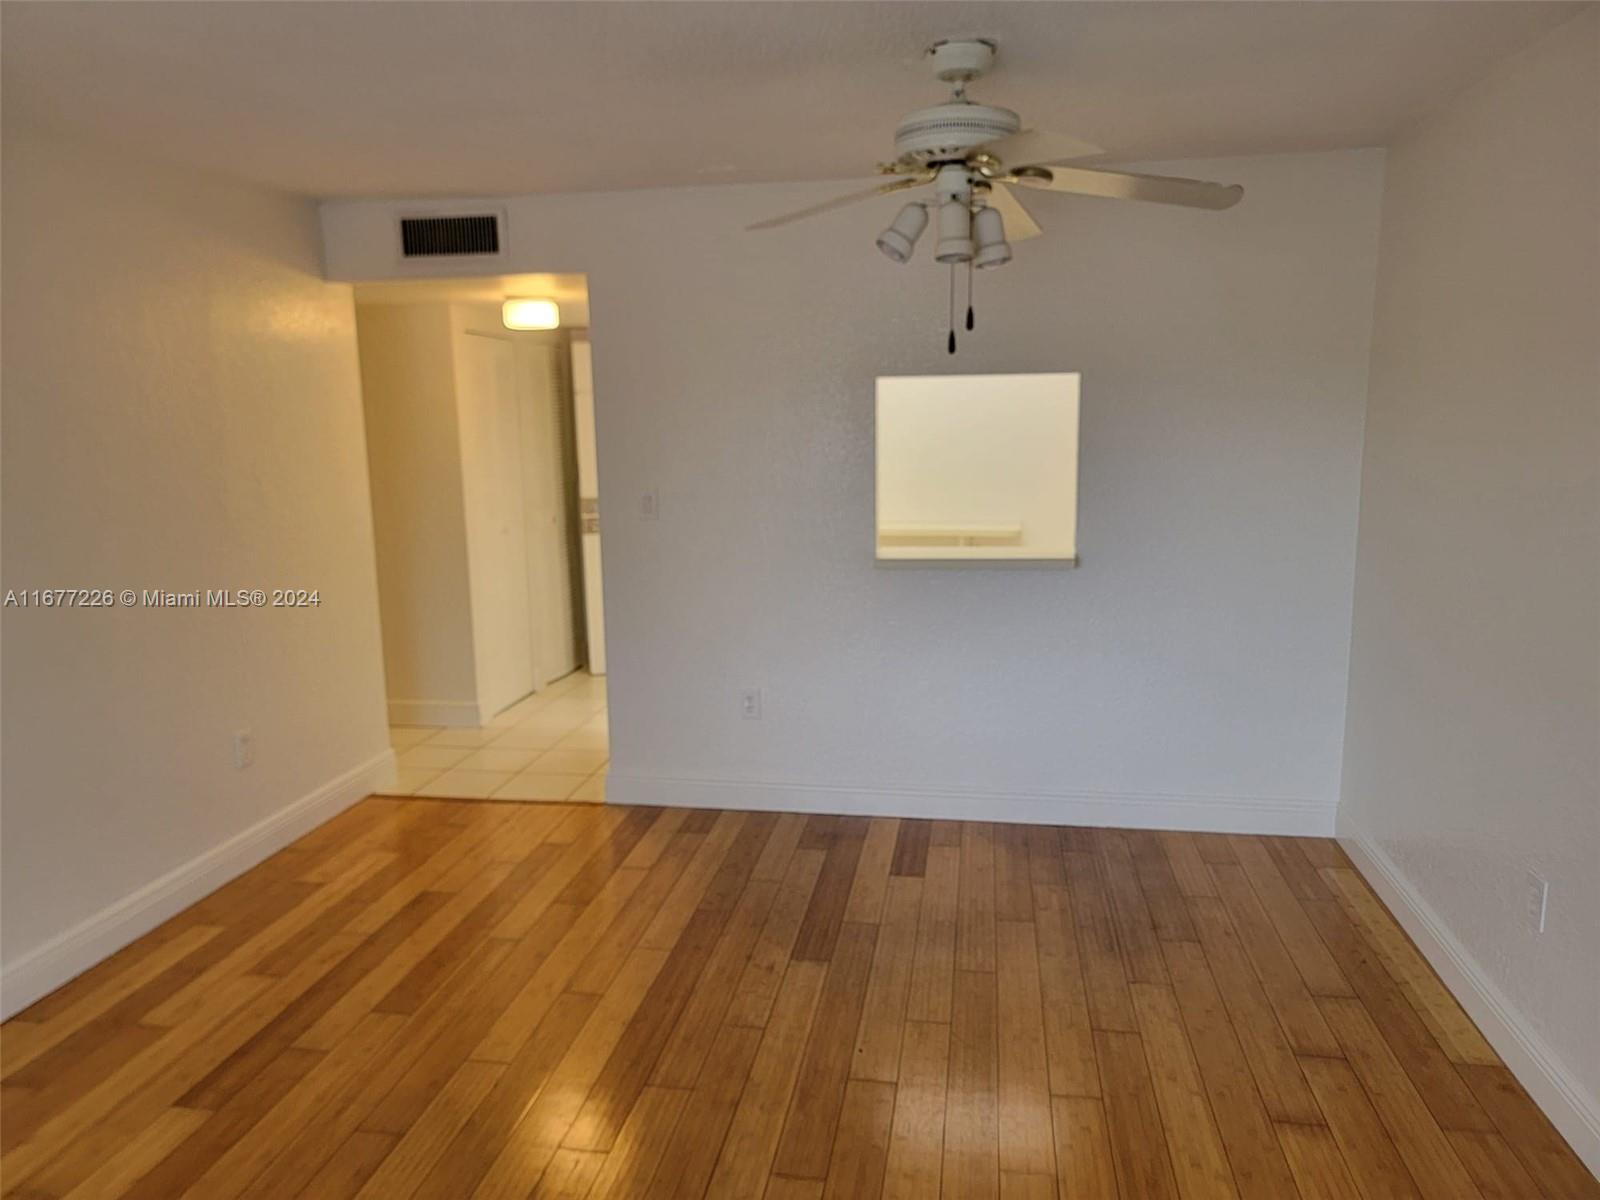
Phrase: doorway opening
x=485 y=508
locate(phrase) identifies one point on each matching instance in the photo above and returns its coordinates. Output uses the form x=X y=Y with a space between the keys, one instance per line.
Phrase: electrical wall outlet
x=1537 y=901
x=244 y=749
x=650 y=505
x=750 y=704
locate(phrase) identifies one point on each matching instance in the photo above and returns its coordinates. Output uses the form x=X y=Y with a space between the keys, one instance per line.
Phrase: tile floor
x=551 y=746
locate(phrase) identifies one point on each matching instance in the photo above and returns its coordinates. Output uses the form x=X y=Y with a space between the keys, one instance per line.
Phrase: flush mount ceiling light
x=531 y=314
x=969 y=152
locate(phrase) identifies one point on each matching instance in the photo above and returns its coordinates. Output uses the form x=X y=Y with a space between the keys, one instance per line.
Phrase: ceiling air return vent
x=425 y=237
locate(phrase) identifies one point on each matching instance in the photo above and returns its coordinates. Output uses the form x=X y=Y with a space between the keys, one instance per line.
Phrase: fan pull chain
x=951 y=345
x=969 y=295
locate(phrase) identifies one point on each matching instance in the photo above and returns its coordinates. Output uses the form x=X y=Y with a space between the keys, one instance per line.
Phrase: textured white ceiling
x=462 y=97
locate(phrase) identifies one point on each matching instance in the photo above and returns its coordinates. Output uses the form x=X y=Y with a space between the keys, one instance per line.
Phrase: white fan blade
x=1118 y=185
x=1020 y=225
x=1040 y=146
x=882 y=189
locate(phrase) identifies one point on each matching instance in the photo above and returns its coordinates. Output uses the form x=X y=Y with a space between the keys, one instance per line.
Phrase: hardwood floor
x=449 y=1000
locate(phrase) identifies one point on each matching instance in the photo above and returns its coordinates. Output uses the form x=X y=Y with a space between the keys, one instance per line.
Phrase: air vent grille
x=423 y=236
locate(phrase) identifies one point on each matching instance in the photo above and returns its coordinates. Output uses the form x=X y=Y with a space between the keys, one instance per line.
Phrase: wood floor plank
x=686 y=1167
x=640 y=1145
x=1298 y=871
x=861 y=1149
x=1133 y=1120
x=1199 y=1162
x=1253 y=1148
x=813 y=1121
x=1027 y=1141
x=142 y=1075
x=437 y=1000
x=684 y=899
x=1105 y=977
x=819 y=928
x=1285 y=987
x=1013 y=874
x=1445 y=1092
x=690 y=1043
x=971 y=1160
x=416 y=1153
x=1445 y=1019
x=1265 y=1045
x=363 y=996
x=1322 y=852
x=781 y=1187
x=1084 y=1168
x=1365 y=1145
x=763 y=974
x=1168 y=913
x=194 y=1156
x=1188 y=868
x=883 y=1009
x=195 y=996
x=505 y=1038
x=123 y=1169
x=1069 y=1037
x=633 y=1058
x=592 y=838
x=1136 y=931
x=89 y=1004
x=911 y=849
x=975 y=912
x=785 y=840
x=1045 y=868
x=1316 y=1163
x=933 y=963
x=244 y=1064
x=569 y=1176
x=752 y=1137
x=916 y=1140
x=1317 y=969
x=870 y=886
x=544 y=1126
x=475 y=1147
x=343 y=1175
x=235 y=1170
x=1493 y=1165
x=1543 y=1151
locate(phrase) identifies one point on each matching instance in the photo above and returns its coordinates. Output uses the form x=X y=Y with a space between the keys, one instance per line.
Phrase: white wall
x=1191 y=672
x=181 y=411
x=1473 y=745
x=413 y=445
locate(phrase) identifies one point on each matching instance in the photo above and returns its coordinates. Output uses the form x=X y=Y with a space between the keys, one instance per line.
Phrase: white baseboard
x=1128 y=810
x=1530 y=1058
x=454 y=713
x=42 y=970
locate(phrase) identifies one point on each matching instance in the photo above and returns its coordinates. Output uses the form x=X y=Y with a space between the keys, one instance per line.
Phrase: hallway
x=553 y=745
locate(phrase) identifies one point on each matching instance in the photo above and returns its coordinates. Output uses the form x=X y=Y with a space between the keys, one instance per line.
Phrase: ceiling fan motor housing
x=951 y=131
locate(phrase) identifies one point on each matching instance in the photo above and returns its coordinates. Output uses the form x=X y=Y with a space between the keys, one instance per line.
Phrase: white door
x=497 y=537
x=589 y=502
x=549 y=565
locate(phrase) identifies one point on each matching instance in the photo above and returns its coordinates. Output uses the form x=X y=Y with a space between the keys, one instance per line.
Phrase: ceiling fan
x=970 y=152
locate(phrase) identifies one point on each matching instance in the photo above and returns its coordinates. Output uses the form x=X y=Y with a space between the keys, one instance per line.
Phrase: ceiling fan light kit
x=900 y=239
x=969 y=152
